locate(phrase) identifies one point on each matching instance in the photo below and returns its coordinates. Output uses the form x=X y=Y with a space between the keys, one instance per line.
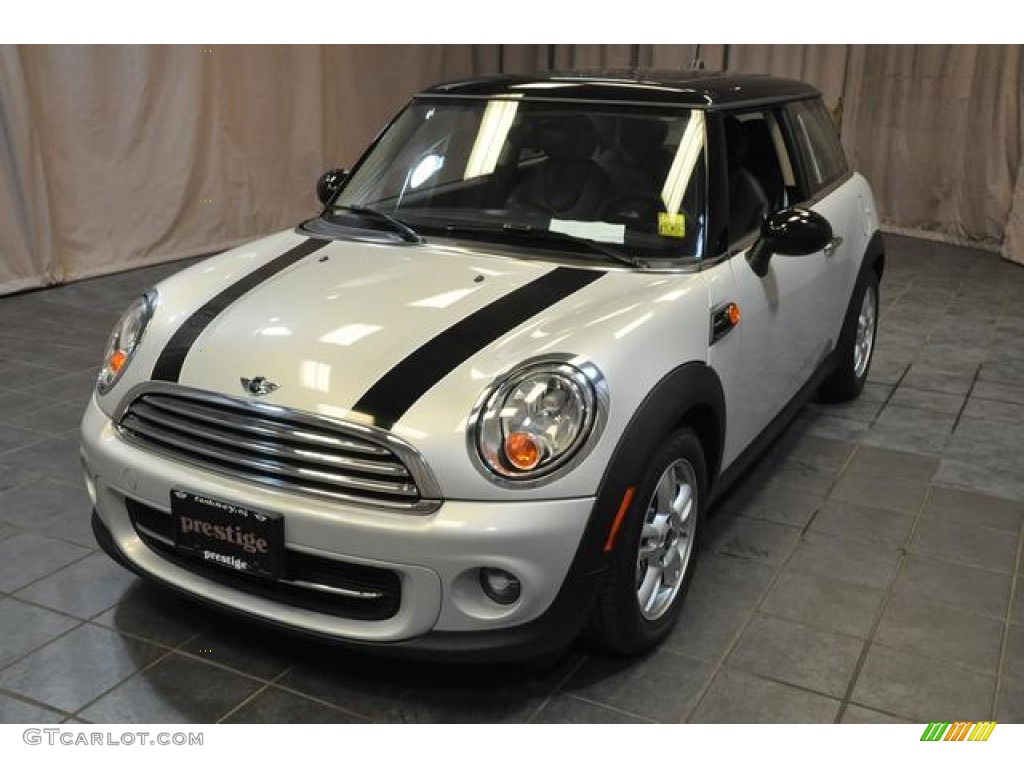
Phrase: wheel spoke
x=865 y=335
x=663 y=494
x=673 y=567
x=648 y=591
x=684 y=515
x=682 y=502
x=653 y=534
x=649 y=550
x=666 y=539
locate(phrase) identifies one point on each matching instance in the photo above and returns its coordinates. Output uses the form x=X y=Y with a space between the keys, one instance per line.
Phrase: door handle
x=833 y=245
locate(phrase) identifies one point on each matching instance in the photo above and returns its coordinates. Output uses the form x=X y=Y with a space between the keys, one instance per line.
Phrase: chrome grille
x=276 y=446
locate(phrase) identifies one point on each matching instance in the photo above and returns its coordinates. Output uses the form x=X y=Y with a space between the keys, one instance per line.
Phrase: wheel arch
x=706 y=422
x=873 y=261
x=874 y=255
x=690 y=395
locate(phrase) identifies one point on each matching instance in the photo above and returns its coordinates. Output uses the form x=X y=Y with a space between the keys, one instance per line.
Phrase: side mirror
x=328 y=186
x=789 y=232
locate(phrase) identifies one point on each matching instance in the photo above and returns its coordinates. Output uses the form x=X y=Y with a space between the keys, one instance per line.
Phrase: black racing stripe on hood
x=397 y=391
x=168 y=366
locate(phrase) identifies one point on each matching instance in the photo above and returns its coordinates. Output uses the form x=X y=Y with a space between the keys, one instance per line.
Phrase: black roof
x=688 y=88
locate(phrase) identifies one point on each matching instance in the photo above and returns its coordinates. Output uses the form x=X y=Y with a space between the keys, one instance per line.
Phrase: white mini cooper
x=483 y=401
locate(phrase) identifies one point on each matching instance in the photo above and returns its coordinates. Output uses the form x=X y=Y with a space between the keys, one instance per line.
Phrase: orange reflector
x=627 y=499
x=117 y=361
x=522 y=450
x=733 y=313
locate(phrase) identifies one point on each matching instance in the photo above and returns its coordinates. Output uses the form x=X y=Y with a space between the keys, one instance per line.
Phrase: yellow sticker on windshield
x=671 y=224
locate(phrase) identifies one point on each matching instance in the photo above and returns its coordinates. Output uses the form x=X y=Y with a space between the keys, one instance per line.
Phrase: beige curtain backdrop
x=938 y=130
x=117 y=156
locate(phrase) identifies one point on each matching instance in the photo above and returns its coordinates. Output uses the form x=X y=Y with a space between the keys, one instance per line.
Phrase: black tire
x=617 y=624
x=846 y=382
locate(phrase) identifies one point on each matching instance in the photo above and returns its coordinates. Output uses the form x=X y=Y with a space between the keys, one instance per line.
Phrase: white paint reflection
x=674 y=295
x=347 y=335
x=611 y=315
x=630 y=327
x=315 y=375
x=443 y=300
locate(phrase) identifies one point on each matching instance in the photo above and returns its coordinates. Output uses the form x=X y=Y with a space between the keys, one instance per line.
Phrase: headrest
x=641 y=137
x=737 y=143
x=565 y=137
x=759 y=139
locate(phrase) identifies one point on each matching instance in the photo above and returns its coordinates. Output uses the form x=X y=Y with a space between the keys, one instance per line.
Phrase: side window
x=820 y=150
x=760 y=172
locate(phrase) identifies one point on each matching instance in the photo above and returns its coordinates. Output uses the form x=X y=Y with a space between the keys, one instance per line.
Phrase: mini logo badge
x=258 y=386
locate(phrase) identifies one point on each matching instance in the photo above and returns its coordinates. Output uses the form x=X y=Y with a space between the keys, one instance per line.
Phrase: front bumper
x=436 y=557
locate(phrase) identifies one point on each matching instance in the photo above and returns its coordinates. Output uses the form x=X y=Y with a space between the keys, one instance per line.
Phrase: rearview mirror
x=789 y=232
x=329 y=184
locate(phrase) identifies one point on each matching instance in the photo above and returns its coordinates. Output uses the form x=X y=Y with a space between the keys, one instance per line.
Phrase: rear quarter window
x=818 y=144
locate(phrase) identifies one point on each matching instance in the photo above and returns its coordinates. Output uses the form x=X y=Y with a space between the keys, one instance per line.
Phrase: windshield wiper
x=407 y=233
x=535 y=233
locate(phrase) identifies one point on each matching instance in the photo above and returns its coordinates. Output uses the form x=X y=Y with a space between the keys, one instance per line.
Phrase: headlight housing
x=124 y=340
x=532 y=423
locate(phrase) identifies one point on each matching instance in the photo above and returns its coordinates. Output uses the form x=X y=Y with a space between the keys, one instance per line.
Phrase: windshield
x=630 y=178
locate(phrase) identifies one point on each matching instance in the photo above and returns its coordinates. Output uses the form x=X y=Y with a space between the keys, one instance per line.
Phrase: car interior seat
x=568 y=183
x=763 y=162
x=748 y=199
x=638 y=162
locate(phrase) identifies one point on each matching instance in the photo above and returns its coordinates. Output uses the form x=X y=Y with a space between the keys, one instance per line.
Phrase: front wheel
x=653 y=557
x=856 y=345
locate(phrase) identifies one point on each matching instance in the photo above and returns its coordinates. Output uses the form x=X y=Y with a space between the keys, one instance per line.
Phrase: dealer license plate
x=228 y=535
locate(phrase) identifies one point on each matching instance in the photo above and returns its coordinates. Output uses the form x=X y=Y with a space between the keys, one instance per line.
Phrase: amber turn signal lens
x=522 y=450
x=117 y=361
x=733 y=312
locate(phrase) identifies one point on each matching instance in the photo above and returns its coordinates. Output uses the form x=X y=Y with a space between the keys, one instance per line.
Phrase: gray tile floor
x=868 y=570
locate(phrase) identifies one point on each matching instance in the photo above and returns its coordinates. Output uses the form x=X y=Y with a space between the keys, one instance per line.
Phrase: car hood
x=334 y=325
x=329 y=326
x=406 y=337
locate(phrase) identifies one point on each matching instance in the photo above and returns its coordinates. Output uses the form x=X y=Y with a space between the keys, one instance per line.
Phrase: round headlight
x=124 y=340
x=533 y=421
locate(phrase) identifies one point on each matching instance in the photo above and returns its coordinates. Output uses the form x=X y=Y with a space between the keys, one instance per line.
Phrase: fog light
x=501 y=586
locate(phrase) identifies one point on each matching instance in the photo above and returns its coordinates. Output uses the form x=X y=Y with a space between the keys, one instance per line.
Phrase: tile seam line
x=17 y=696
x=557 y=688
x=91 y=621
x=847 y=698
x=608 y=707
x=89 y=553
x=247 y=699
x=1015 y=585
x=19 y=528
x=166 y=653
x=734 y=641
x=316 y=699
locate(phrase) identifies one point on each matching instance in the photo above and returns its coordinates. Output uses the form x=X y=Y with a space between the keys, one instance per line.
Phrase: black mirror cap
x=796 y=232
x=329 y=184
